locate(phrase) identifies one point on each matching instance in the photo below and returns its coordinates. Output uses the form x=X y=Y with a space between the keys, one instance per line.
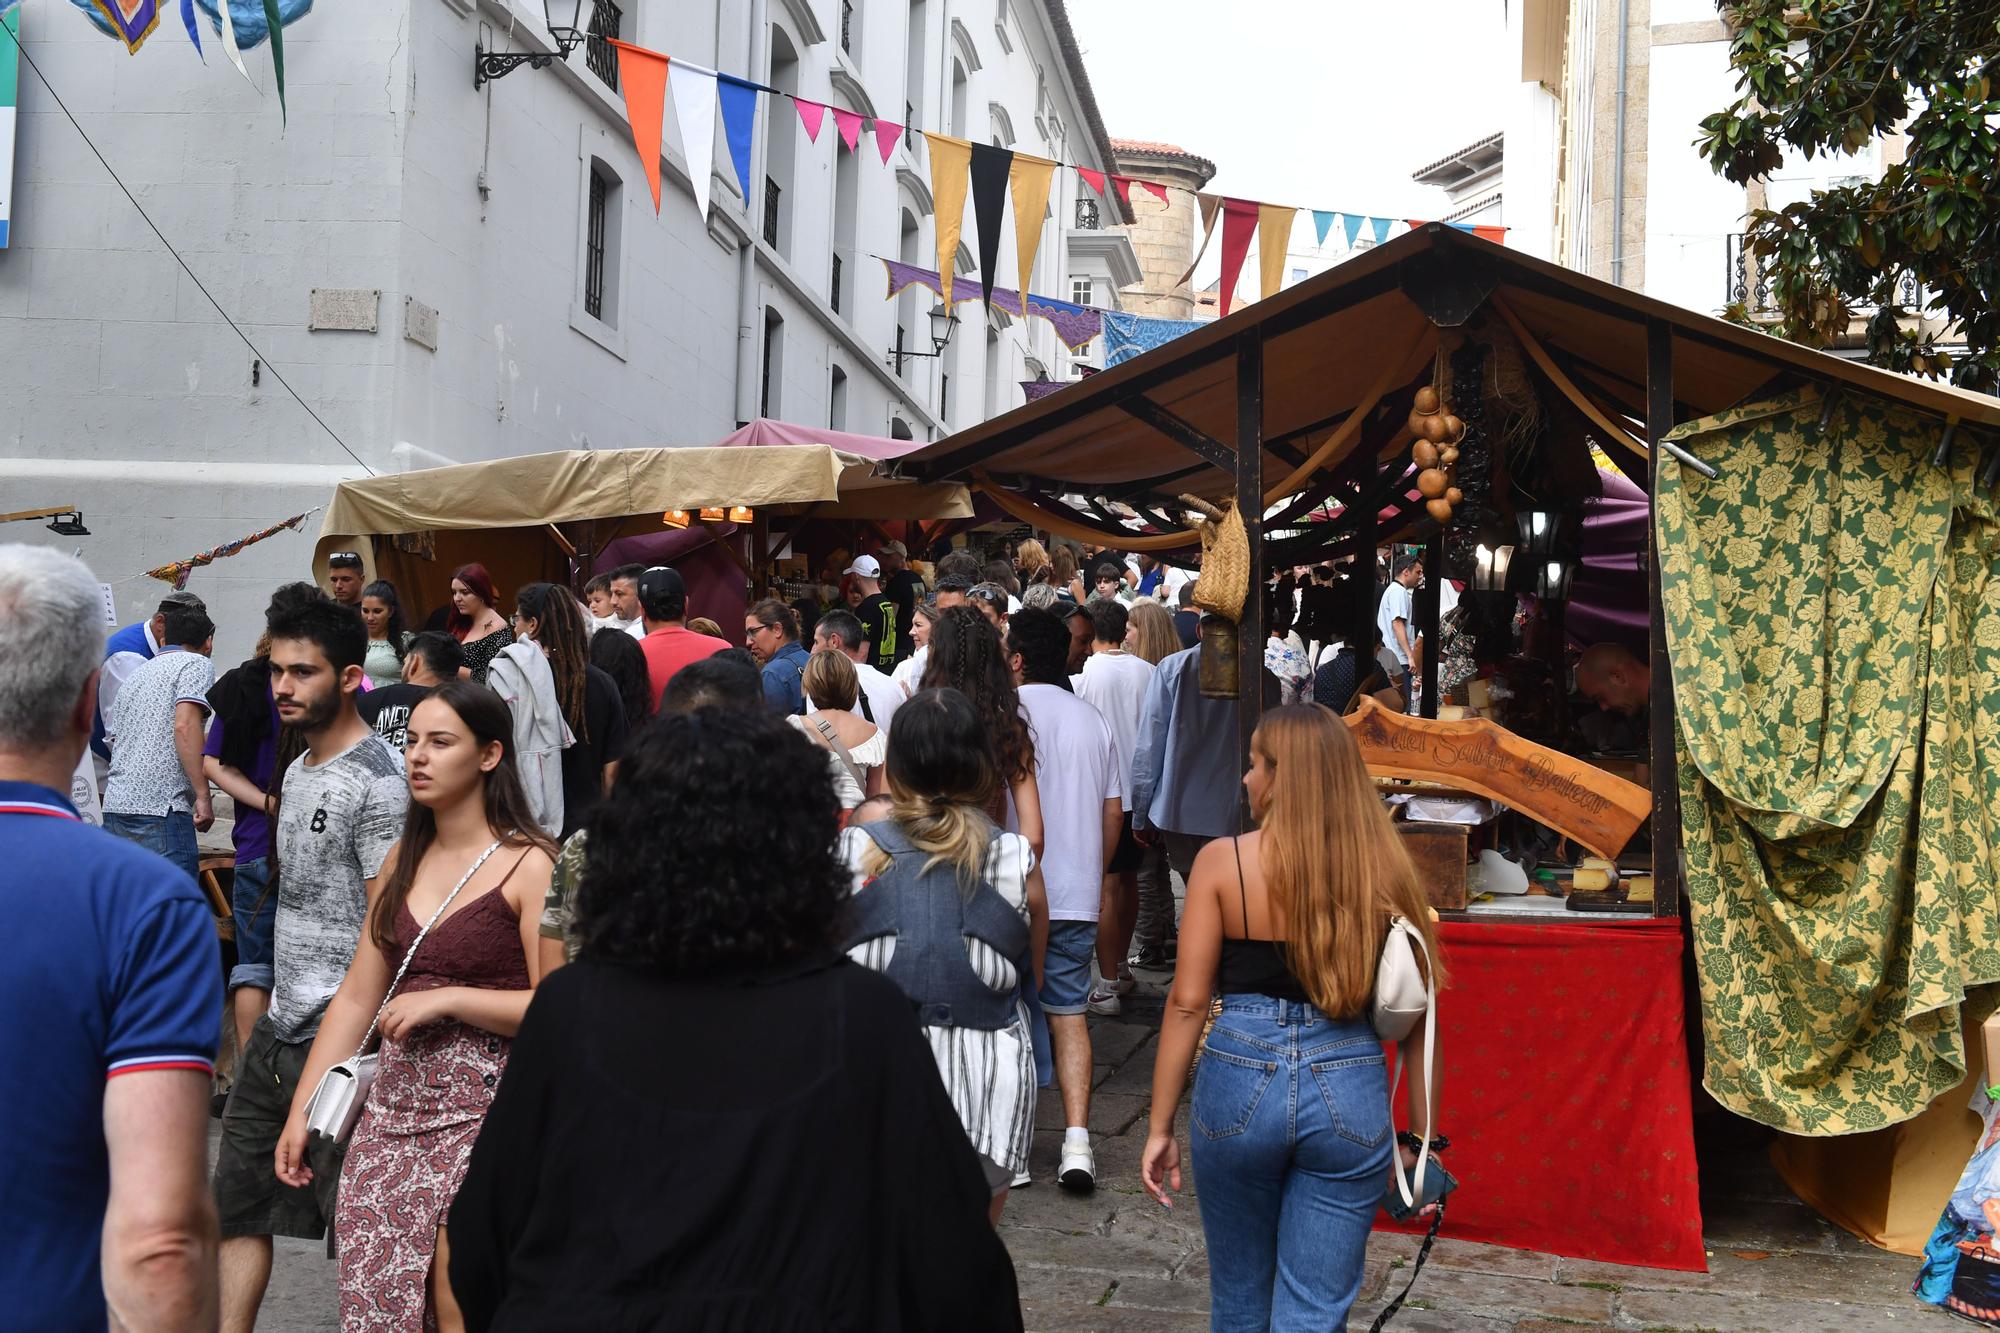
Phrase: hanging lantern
x=713 y=513
x=675 y=518
x=1552 y=579
x=741 y=513
x=1540 y=530
x=1490 y=565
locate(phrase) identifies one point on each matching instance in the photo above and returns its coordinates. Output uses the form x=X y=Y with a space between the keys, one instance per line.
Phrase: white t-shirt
x=1115 y=683
x=1397 y=604
x=1075 y=773
x=910 y=671
x=884 y=695
x=146 y=777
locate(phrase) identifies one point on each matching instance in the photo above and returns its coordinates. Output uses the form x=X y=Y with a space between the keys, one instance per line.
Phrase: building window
x=1298 y=275
x=1087 y=216
x=914 y=66
x=600 y=245
x=598 y=53
x=833 y=286
x=781 y=148
x=772 y=195
x=836 y=401
x=847 y=26
x=846 y=208
x=944 y=399
x=1080 y=291
x=774 y=350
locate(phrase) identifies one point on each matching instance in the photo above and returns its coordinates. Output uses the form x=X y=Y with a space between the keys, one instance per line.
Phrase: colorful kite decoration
x=242 y=24
x=177 y=572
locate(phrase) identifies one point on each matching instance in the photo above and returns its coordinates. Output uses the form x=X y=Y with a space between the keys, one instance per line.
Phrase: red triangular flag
x=1157 y=190
x=813 y=114
x=1490 y=232
x=886 y=134
x=1094 y=179
x=1239 y=224
x=1123 y=184
x=849 y=124
x=642 y=77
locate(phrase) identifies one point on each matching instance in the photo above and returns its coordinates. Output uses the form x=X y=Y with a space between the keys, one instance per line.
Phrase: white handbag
x=343 y=1090
x=1404 y=993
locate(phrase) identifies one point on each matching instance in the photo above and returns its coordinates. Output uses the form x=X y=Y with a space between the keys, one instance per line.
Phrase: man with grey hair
x=109 y=1218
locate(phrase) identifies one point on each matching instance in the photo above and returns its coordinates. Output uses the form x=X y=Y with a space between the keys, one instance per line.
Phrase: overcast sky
x=1316 y=103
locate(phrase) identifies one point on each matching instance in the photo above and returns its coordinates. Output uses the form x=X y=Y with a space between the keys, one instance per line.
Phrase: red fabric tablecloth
x=1563 y=1086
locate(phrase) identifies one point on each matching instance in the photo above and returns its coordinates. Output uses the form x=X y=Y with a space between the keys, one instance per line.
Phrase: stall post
x=1662 y=772
x=1250 y=505
x=760 y=554
x=1429 y=598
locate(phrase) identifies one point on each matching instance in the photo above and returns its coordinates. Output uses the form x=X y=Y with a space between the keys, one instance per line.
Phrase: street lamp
x=489 y=65
x=1490 y=566
x=1540 y=529
x=943 y=325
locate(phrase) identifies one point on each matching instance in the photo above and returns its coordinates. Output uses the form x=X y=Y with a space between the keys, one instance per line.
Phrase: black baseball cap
x=661 y=581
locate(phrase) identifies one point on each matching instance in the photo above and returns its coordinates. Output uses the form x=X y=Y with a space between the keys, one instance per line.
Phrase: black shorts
x=249 y=1197
x=1130 y=854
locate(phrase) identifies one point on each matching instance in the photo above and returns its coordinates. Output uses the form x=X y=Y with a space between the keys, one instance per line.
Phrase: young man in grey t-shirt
x=340 y=810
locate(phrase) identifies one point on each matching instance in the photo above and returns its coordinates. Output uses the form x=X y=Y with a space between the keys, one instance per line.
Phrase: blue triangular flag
x=738 y=100
x=194 y=33
x=1381 y=226
x=1462 y=226
x=1352 y=224
x=1324 y=223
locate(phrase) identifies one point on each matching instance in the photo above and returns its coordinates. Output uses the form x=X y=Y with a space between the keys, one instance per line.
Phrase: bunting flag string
x=692 y=88
x=177 y=571
x=991 y=169
x=887 y=132
x=1075 y=324
x=1274 y=237
x=1239 y=221
x=193 y=29
x=1029 y=179
x=849 y=125
x=1209 y=204
x=1322 y=223
x=1095 y=180
x=642 y=76
x=737 y=101
x=812 y=114
x=951 y=162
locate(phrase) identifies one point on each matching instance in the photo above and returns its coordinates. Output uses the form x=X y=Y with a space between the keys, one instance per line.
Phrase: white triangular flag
x=693 y=90
x=229 y=43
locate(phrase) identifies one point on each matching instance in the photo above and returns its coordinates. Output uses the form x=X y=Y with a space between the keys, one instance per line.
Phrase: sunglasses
x=342 y=559
x=990 y=594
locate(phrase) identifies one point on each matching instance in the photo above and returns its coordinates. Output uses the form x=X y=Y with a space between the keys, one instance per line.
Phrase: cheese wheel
x=1586 y=880
x=1639 y=888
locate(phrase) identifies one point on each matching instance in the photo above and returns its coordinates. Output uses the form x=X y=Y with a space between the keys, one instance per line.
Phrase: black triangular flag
x=990 y=168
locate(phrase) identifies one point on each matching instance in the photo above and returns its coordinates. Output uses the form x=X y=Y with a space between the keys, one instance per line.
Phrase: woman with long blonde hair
x=1151 y=634
x=1292 y=1126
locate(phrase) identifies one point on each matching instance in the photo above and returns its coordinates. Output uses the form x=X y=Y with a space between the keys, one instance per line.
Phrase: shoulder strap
x=1411 y=1186
x=833 y=742
x=411 y=952
x=1242 y=893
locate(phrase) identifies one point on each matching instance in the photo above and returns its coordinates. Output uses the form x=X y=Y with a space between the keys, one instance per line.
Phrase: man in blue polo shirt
x=110 y=987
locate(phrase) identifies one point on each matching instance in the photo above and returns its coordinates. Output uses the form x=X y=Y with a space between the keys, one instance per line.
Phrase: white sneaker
x=1078 y=1172
x=1022 y=1181
x=1105 y=1001
x=1124 y=985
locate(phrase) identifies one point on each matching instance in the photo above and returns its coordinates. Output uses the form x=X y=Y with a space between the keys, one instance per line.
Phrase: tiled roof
x=1168 y=151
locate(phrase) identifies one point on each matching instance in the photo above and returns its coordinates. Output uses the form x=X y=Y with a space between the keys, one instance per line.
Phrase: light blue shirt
x=1184 y=768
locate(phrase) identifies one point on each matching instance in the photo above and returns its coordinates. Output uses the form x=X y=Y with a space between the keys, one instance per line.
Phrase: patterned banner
x=177 y=572
x=1075 y=324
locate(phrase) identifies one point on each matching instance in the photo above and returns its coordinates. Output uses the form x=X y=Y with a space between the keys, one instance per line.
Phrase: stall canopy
x=1824 y=537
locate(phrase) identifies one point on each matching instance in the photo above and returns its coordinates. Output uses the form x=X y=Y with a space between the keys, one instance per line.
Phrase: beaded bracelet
x=1439 y=1142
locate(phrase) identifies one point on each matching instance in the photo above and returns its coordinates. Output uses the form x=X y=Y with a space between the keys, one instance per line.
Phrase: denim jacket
x=1184 y=768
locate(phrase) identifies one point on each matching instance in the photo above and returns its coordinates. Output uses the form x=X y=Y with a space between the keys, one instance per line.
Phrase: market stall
x=713 y=509
x=1447 y=394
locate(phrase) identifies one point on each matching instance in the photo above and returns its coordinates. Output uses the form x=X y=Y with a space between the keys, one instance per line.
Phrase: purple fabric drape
x=1607 y=597
x=714 y=581
x=1075 y=324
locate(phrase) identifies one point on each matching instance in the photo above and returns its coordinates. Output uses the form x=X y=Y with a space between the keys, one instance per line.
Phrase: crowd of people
x=818 y=916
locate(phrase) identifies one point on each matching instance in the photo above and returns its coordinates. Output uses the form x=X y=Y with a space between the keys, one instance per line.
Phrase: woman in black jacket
x=713 y=1120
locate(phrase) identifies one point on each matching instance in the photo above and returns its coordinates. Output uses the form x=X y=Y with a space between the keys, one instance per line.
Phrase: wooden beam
x=1578 y=399
x=22 y=515
x=1429 y=598
x=1663 y=760
x=1073 y=525
x=1250 y=508
x=1180 y=431
x=1393 y=372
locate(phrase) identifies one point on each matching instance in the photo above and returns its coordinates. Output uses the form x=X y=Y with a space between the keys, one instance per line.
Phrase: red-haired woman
x=475 y=620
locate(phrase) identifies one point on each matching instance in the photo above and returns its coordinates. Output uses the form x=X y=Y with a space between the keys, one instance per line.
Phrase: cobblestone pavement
x=1115 y=1261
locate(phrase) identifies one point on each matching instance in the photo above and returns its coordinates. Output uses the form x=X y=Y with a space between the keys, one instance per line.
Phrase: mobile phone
x=1438 y=1182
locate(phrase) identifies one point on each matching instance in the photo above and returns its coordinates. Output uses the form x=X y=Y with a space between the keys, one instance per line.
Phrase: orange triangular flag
x=951 y=168
x=1274 y=238
x=642 y=77
x=1029 y=178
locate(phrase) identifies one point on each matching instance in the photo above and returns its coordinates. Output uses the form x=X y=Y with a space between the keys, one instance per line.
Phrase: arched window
x=846 y=192
x=782 y=147
x=915 y=66
x=836 y=401
x=909 y=251
x=958 y=95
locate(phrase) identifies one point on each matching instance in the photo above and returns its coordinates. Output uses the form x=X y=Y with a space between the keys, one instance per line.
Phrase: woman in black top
x=713 y=1120
x=1291 y=1117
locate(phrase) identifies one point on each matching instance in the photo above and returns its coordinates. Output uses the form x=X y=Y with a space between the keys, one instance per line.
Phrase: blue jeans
x=171 y=836
x=253 y=906
x=1291 y=1140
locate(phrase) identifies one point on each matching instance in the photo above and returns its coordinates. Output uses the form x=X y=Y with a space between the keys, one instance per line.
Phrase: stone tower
x=1165 y=234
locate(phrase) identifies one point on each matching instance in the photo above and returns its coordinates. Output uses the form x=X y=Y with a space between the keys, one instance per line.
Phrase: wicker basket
x=1224 y=584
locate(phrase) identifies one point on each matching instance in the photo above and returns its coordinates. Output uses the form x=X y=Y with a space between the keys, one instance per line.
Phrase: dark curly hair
x=691 y=873
x=965 y=655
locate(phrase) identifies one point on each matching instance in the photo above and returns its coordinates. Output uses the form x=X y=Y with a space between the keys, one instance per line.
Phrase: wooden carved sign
x=1580 y=802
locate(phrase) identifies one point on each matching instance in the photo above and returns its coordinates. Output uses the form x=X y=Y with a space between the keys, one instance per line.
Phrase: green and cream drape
x=1833 y=617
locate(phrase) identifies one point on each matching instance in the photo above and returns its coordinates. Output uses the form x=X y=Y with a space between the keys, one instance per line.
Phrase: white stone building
x=495 y=249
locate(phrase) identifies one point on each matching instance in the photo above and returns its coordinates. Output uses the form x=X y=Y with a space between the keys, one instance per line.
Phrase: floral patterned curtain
x=1833 y=620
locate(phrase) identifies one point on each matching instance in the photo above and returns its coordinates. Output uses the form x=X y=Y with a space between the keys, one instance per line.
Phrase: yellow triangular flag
x=1274 y=238
x=951 y=166
x=1028 y=180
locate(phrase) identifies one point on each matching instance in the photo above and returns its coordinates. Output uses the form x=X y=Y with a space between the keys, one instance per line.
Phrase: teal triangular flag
x=1324 y=223
x=1381 y=226
x=1352 y=224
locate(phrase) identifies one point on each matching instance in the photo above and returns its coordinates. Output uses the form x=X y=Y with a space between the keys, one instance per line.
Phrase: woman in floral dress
x=472 y=864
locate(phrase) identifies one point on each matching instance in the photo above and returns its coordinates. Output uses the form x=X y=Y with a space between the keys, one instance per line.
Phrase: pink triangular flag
x=1123 y=184
x=813 y=114
x=849 y=125
x=886 y=134
x=1157 y=190
x=1094 y=179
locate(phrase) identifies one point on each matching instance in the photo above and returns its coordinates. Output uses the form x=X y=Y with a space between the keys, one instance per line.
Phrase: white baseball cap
x=867 y=566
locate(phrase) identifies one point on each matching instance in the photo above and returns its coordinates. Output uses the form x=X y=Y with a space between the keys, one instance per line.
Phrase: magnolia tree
x=1827 y=76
